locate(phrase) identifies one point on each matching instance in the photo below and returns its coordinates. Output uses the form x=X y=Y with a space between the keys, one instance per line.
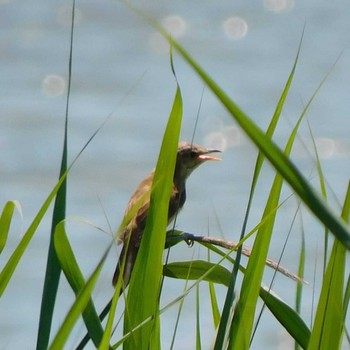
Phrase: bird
x=189 y=157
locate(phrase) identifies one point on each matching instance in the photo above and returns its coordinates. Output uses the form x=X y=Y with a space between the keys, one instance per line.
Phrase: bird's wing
x=138 y=202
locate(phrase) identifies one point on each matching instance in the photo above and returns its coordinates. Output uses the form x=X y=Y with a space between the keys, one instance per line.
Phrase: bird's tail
x=125 y=264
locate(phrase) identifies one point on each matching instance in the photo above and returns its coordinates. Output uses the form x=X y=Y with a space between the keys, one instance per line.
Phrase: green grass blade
x=319 y=168
x=104 y=345
x=324 y=195
x=53 y=270
x=5 y=221
x=111 y=312
x=148 y=267
x=76 y=280
x=214 y=305
x=80 y=304
x=243 y=318
x=328 y=325
x=195 y=269
x=198 y=327
x=213 y=300
x=228 y=306
x=346 y=211
x=180 y=308
x=301 y=268
x=275 y=118
x=288 y=317
x=10 y=266
x=346 y=299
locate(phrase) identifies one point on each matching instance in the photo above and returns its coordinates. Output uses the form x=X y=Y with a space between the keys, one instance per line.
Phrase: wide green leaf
x=214 y=273
x=287 y=317
x=195 y=269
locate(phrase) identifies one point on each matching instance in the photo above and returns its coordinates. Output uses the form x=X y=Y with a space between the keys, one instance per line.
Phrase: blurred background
x=121 y=72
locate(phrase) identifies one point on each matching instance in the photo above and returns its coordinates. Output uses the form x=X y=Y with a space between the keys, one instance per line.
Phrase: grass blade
x=76 y=280
x=111 y=315
x=213 y=301
x=288 y=317
x=214 y=305
x=148 y=267
x=198 y=327
x=242 y=323
x=14 y=259
x=324 y=195
x=346 y=303
x=5 y=221
x=228 y=307
x=195 y=269
x=53 y=270
x=179 y=312
x=82 y=300
x=329 y=322
x=301 y=268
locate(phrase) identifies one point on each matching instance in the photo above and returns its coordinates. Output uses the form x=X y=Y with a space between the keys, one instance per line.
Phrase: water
x=120 y=67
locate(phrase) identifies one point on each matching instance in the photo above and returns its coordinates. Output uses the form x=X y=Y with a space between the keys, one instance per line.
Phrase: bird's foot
x=188 y=238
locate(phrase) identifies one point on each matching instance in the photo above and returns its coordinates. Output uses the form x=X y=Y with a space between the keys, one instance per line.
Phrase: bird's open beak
x=206 y=155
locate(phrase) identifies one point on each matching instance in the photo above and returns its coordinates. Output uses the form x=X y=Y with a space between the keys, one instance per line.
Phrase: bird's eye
x=193 y=154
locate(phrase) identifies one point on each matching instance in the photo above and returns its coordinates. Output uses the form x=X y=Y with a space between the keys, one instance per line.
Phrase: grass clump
x=235 y=324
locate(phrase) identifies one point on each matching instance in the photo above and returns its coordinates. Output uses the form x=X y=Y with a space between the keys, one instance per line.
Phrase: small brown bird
x=189 y=157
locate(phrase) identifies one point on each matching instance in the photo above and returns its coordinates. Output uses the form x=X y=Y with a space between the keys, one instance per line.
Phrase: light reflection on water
x=119 y=67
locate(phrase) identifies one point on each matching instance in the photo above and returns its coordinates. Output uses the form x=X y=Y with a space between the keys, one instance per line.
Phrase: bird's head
x=189 y=157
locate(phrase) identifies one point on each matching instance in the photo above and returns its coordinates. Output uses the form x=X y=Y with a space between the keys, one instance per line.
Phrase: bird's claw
x=189 y=243
x=189 y=239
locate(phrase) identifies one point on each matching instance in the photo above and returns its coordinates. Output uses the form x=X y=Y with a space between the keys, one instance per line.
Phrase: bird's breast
x=177 y=200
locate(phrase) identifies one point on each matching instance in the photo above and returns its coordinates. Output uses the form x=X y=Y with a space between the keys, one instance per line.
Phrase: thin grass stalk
x=198 y=326
x=301 y=268
x=180 y=308
x=324 y=195
x=213 y=300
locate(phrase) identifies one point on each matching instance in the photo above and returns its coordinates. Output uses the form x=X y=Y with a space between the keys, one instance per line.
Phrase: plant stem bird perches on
x=175 y=236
